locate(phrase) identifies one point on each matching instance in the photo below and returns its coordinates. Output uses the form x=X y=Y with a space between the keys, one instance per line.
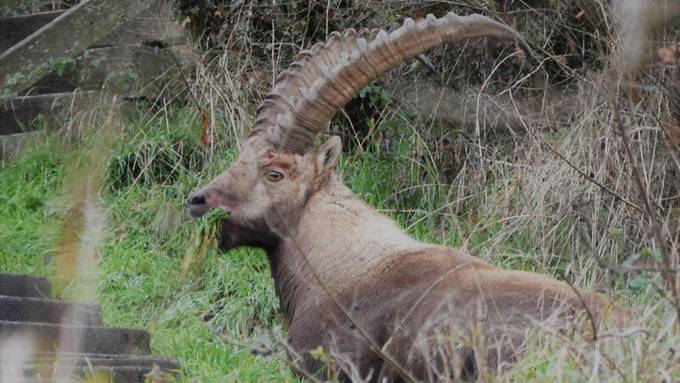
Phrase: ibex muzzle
x=348 y=278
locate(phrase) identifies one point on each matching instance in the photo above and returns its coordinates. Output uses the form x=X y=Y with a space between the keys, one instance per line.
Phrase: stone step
x=155 y=24
x=12 y=145
x=131 y=70
x=134 y=70
x=22 y=114
x=22 y=309
x=66 y=36
x=24 y=285
x=48 y=337
x=17 y=28
x=109 y=360
x=110 y=68
x=94 y=373
x=121 y=368
x=11 y=8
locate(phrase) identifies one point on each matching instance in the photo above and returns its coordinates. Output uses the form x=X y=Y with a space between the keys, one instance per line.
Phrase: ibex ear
x=328 y=155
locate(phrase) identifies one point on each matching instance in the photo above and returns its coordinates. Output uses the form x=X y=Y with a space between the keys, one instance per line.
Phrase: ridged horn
x=327 y=76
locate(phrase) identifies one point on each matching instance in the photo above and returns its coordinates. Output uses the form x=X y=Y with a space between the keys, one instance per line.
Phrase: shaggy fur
x=428 y=307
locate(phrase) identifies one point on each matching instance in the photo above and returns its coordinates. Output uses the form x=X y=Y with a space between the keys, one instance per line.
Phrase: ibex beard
x=347 y=277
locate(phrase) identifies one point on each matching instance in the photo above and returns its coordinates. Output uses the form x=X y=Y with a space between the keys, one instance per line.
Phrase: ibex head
x=277 y=169
x=264 y=190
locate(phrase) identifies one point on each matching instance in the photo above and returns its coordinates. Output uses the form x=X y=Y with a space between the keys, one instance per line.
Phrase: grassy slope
x=144 y=243
x=145 y=239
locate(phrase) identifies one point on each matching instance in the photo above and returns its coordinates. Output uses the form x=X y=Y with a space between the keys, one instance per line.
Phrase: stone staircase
x=45 y=340
x=141 y=54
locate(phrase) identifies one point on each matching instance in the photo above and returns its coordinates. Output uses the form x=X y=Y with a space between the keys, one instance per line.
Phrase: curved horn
x=327 y=76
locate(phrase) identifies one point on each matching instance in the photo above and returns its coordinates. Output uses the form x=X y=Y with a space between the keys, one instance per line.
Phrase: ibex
x=388 y=307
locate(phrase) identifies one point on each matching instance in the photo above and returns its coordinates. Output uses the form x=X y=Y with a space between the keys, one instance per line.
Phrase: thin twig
x=428 y=63
x=586 y=175
x=591 y=317
x=656 y=226
x=301 y=370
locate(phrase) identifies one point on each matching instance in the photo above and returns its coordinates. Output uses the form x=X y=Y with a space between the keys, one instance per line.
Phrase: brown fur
x=338 y=265
x=284 y=161
x=426 y=305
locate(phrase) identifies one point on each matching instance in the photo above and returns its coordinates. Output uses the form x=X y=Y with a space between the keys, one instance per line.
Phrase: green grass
x=209 y=318
x=29 y=223
x=139 y=281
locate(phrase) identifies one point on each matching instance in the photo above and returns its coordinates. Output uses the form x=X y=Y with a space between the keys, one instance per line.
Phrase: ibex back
x=348 y=278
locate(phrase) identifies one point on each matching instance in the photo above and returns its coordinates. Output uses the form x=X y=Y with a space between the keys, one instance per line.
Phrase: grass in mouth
x=203 y=237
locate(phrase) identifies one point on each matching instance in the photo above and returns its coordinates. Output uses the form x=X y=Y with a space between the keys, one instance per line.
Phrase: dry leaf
x=672 y=130
x=206 y=131
x=220 y=12
x=635 y=94
x=299 y=26
x=667 y=55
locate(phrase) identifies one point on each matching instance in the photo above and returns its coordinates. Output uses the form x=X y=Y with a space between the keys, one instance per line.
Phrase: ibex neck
x=341 y=240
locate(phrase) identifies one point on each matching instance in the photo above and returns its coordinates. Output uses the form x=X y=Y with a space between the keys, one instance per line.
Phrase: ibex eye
x=274 y=176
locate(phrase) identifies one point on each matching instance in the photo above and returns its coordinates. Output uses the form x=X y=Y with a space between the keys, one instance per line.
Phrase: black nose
x=197 y=198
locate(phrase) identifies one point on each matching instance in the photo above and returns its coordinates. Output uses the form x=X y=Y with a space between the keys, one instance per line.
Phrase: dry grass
x=568 y=166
